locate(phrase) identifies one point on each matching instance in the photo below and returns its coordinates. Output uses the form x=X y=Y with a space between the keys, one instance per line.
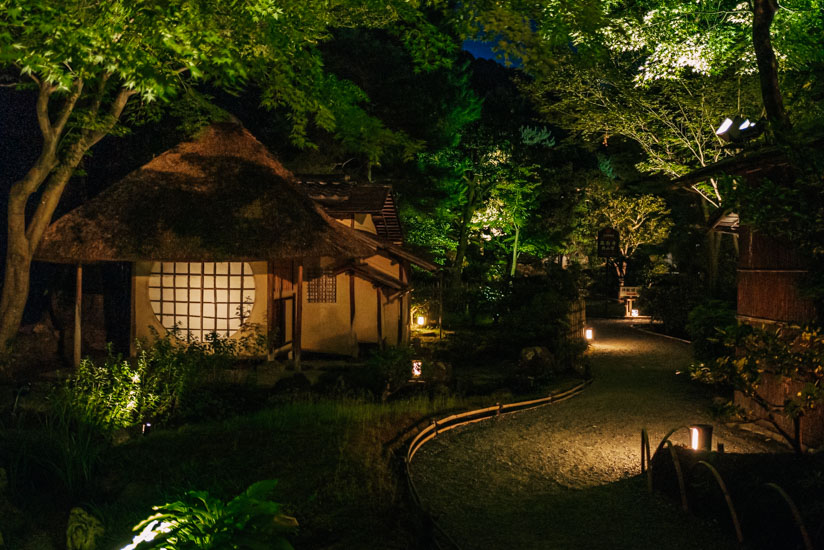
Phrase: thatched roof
x=220 y=197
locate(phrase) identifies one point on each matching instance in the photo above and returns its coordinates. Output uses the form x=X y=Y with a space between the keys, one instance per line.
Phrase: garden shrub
x=670 y=299
x=536 y=314
x=388 y=368
x=793 y=355
x=705 y=325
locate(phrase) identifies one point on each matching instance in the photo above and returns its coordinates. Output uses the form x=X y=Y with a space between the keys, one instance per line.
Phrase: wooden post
x=78 y=310
x=296 y=329
x=351 y=299
x=401 y=309
x=133 y=317
x=380 y=317
x=270 y=311
x=440 y=307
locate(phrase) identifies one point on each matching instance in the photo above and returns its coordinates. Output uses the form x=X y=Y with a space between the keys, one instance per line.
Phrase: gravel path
x=567 y=475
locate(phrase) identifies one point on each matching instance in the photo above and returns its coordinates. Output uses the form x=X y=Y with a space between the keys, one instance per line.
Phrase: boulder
x=83 y=530
x=537 y=360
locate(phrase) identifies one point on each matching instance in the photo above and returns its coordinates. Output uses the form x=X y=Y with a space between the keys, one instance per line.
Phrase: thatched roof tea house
x=221 y=239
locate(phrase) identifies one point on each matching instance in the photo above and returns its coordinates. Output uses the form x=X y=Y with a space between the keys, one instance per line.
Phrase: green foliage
x=678 y=39
x=534 y=313
x=705 y=325
x=164 y=382
x=788 y=353
x=199 y=521
x=115 y=394
x=160 y=49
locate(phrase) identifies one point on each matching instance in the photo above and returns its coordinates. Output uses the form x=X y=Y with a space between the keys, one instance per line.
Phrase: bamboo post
x=680 y=475
x=799 y=522
x=78 y=311
x=738 y=534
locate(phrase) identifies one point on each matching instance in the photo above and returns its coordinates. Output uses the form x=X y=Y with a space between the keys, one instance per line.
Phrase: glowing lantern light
x=634 y=313
x=417 y=367
x=589 y=334
x=701 y=437
x=421 y=320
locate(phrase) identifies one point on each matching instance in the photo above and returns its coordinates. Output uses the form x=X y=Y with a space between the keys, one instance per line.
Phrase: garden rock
x=83 y=530
x=37 y=344
x=537 y=359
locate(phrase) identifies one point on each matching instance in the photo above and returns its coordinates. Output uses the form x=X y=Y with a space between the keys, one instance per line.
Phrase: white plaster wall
x=145 y=318
x=326 y=326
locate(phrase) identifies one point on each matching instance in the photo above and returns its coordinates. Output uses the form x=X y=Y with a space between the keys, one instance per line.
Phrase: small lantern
x=589 y=334
x=701 y=437
x=634 y=313
x=417 y=368
x=420 y=321
x=146 y=428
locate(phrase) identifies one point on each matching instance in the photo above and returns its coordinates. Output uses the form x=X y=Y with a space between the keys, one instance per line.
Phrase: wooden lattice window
x=322 y=287
x=200 y=298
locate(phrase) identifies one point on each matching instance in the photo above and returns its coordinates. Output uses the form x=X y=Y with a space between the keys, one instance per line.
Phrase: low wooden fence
x=456 y=420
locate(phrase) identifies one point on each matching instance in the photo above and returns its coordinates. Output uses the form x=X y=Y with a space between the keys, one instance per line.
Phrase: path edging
x=647 y=331
x=456 y=420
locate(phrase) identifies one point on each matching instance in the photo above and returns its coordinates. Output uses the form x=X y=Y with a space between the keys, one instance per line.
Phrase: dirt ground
x=567 y=475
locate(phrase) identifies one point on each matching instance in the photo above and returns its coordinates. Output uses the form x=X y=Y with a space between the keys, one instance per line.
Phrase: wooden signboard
x=608 y=241
x=629 y=291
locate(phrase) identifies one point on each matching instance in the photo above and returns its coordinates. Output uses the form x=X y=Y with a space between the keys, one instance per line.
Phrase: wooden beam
x=401 y=313
x=78 y=311
x=380 y=317
x=133 y=316
x=270 y=311
x=296 y=328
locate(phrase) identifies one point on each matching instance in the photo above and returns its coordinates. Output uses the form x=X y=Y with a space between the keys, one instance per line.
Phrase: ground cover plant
x=331 y=446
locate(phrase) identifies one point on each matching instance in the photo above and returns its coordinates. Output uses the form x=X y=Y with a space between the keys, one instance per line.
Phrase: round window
x=201 y=298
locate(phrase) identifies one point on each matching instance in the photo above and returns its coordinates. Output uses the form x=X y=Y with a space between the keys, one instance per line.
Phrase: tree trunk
x=51 y=175
x=19 y=249
x=620 y=270
x=463 y=236
x=763 y=14
x=515 y=252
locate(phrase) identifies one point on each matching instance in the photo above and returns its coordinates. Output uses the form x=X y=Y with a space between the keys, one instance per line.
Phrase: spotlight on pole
x=737 y=129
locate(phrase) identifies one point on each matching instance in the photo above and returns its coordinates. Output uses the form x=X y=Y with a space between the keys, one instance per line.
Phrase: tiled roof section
x=342 y=198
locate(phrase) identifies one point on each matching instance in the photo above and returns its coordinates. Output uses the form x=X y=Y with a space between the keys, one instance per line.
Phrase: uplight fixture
x=701 y=437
